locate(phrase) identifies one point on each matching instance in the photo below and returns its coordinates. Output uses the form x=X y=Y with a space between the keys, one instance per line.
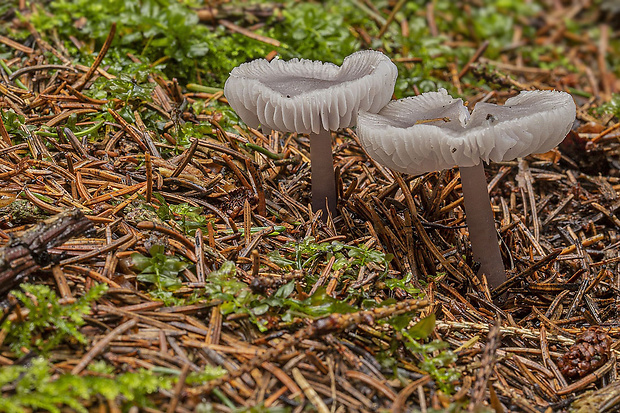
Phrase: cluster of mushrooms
x=415 y=135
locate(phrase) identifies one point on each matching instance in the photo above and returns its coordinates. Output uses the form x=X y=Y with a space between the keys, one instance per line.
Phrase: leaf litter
x=203 y=273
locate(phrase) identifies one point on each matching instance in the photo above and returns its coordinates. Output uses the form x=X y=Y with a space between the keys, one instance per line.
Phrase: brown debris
x=528 y=345
x=28 y=252
x=590 y=351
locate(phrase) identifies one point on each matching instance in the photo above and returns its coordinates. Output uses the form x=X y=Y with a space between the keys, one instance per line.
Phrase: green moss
x=38 y=387
x=48 y=322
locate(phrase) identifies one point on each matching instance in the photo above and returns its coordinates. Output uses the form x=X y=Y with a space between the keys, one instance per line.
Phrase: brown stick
x=79 y=85
x=390 y=18
x=481 y=223
x=248 y=33
x=28 y=252
x=102 y=344
x=4 y=133
x=475 y=56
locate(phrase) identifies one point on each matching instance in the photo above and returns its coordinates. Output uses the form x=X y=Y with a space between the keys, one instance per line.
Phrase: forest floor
x=159 y=255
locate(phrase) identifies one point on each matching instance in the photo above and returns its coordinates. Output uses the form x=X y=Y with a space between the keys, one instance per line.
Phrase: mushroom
x=434 y=131
x=312 y=97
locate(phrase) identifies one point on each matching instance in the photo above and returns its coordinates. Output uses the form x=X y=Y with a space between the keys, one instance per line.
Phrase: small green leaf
x=423 y=328
x=399 y=322
x=279 y=260
x=285 y=290
x=260 y=309
x=156 y=249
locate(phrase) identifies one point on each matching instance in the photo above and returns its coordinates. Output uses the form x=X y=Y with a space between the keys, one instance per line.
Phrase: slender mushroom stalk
x=312 y=97
x=479 y=215
x=323 y=176
x=434 y=131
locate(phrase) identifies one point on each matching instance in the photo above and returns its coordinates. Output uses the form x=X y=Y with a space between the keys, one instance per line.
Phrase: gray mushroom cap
x=434 y=131
x=307 y=96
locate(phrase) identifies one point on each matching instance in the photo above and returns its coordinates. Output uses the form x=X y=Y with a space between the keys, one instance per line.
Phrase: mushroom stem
x=481 y=223
x=323 y=176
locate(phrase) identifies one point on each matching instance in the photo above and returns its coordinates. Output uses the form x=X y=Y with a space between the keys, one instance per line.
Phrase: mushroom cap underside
x=434 y=131
x=308 y=96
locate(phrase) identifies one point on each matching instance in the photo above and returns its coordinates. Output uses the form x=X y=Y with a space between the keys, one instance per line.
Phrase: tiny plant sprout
x=434 y=131
x=312 y=97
